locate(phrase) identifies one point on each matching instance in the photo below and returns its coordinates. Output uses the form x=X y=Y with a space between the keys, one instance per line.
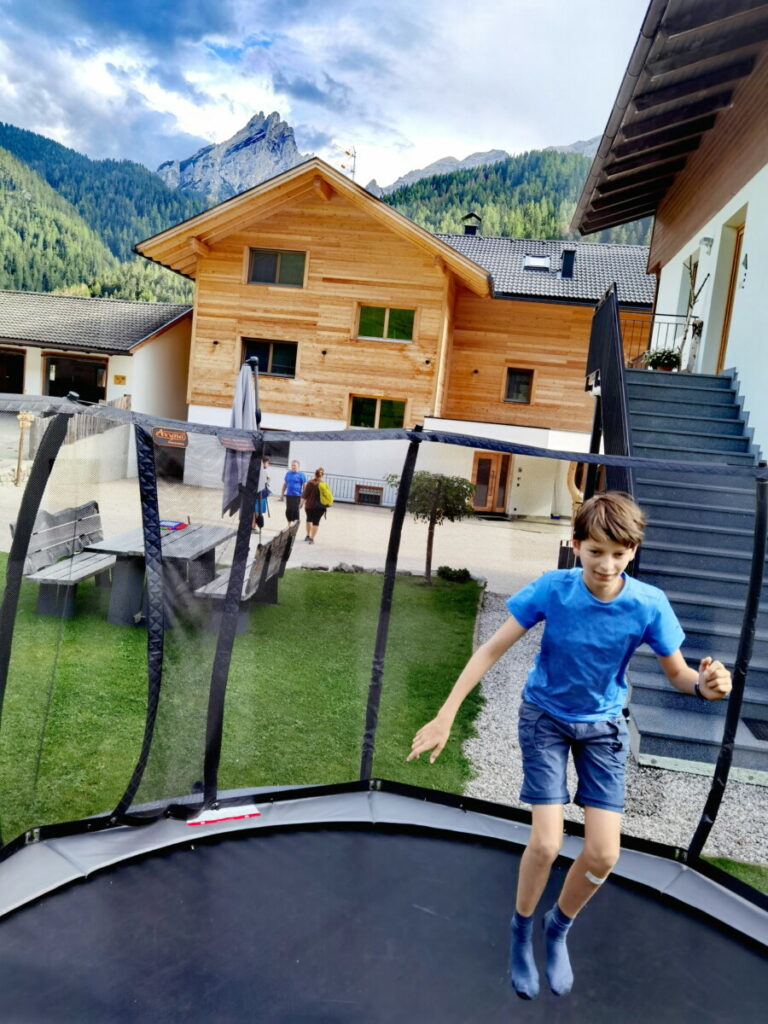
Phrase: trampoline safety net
x=173 y=628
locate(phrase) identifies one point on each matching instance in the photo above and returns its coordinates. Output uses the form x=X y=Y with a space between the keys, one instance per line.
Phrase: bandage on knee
x=593 y=878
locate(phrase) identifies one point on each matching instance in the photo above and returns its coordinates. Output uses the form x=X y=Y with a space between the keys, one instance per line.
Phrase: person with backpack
x=317 y=499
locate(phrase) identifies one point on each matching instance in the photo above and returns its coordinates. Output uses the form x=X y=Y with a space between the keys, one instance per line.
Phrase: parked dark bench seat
x=260 y=583
x=56 y=559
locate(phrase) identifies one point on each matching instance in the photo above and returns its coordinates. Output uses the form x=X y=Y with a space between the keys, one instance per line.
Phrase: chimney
x=566 y=268
x=472 y=223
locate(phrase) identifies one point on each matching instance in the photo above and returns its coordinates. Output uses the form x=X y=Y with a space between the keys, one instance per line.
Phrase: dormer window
x=536 y=262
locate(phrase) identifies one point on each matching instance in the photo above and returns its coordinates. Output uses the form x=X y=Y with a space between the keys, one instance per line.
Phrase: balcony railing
x=666 y=331
x=362 y=490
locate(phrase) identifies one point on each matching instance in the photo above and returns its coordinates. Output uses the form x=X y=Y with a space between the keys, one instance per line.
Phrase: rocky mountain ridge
x=445 y=165
x=266 y=146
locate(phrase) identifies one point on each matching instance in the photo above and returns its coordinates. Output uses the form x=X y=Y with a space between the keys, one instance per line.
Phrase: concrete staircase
x=698 y=550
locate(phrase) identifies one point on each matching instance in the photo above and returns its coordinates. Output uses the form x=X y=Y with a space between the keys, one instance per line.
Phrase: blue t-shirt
x=579 y=673
x=294 y=483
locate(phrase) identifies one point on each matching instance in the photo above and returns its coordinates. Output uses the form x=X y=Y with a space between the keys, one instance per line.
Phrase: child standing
x=261 y=505
x=594 y=618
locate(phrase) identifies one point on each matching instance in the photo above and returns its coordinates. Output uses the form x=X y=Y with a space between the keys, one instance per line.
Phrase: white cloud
x=403 y=83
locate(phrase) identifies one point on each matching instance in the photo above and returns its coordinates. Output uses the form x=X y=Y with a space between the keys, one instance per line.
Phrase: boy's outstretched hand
x=432 y=736
x=714 y=679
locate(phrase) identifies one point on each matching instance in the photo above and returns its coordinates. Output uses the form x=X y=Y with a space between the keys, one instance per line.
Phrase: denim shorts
x=599 y=754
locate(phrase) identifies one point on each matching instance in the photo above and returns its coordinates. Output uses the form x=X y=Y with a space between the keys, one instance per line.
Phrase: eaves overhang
x=686 y=68
x=179 y=247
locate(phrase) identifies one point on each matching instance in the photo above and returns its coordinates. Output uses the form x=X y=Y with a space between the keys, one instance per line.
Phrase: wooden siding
x=729 y=156
x=351 y=260
x=548 y=338
x=491 y=335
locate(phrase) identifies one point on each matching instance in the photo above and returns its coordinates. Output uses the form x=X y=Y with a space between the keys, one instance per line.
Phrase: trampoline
x=208 y=880
x=354 y=904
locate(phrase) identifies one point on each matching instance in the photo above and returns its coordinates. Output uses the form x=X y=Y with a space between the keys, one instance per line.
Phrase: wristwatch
x=697 y=690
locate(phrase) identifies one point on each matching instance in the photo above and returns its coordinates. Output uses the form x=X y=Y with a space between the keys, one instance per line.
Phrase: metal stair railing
x=605 y=379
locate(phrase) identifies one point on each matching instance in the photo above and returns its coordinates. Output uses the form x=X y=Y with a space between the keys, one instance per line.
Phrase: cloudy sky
x=404 y=82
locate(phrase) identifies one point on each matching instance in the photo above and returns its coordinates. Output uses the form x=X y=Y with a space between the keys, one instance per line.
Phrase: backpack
x=325 y=494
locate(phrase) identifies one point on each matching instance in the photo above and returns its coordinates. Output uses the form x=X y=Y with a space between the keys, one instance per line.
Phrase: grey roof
x=596 y=266
x=84 y=324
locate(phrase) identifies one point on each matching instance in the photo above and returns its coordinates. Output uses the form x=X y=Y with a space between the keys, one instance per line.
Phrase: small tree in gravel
x=434 y=498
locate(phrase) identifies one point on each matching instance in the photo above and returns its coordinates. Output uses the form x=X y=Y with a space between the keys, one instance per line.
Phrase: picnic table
x=189 y=562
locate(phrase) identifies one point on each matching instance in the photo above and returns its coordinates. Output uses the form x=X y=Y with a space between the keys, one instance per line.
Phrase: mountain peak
x=264 y=147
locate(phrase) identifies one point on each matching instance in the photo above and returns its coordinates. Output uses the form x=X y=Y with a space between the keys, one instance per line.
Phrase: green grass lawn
x=73 y=718
x=74 y=712
x=755 y=875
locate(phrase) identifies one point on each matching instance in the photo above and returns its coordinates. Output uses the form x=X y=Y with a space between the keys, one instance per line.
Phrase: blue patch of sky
x=232 y=54
x=158 y=24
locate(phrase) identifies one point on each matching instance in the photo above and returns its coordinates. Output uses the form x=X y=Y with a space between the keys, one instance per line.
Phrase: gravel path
x=661 y=805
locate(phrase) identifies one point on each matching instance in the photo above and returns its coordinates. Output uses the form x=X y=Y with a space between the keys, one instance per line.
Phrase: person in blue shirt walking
x=293 y=486
x=595 y=617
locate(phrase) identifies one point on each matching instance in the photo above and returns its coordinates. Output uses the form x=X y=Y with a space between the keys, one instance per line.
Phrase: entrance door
x=88 y=378
x=490 y=475
x=733 y=281
x=11 y=372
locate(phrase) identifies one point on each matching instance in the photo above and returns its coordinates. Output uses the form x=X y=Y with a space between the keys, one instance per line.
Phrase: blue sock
x=559 y=973
x=523 y=975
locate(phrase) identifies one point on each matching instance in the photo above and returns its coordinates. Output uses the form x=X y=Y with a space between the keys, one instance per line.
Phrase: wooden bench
x=260 y=583
x=56 y=558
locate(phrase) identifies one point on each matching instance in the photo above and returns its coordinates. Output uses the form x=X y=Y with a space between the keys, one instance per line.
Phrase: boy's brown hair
x=612 y=516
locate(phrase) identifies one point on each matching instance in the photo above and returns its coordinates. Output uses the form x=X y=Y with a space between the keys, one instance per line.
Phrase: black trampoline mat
x=339 y=925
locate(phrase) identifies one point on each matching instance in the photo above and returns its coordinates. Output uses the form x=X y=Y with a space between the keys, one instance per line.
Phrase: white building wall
x=158 y=382
x=748 y=337
x=33 y=371
x=538 y=487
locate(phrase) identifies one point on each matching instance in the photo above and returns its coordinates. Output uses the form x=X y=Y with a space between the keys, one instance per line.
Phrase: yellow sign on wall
x=119 y=378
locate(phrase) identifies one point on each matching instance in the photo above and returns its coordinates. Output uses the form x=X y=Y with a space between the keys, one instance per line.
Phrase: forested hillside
x=122 y=201
x=528 y=196
x=68 y=223
x=44 y=243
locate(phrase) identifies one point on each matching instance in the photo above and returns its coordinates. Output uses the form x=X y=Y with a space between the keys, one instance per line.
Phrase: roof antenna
x=351 y=167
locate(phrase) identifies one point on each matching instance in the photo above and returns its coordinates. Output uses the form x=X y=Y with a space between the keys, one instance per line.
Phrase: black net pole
x=153 y=560
x=226 y=638
x=743 y=656
x=49 y=448
x=385 y=611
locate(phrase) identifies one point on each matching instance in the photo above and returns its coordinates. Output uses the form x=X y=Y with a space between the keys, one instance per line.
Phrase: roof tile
x=84 y=324
x=596 y=266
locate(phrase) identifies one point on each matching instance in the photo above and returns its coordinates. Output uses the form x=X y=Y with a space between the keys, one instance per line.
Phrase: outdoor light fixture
x=706 y=243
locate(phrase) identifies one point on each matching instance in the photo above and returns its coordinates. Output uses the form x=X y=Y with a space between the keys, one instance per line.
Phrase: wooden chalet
x=361 y=318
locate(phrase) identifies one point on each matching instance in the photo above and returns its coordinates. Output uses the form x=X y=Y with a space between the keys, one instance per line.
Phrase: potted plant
x=662 y=359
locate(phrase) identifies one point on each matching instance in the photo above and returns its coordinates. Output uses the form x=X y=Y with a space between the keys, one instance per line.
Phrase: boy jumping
x=595 y=618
